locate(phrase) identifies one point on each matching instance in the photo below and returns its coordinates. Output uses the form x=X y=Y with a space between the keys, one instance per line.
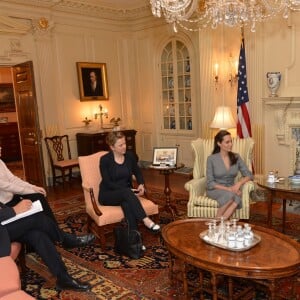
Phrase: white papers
x=35 y=208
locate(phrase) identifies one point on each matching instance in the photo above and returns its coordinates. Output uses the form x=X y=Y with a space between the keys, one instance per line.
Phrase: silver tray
x=255 y=241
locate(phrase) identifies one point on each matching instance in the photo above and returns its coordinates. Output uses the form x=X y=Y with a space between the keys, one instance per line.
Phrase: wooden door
x=30 y=134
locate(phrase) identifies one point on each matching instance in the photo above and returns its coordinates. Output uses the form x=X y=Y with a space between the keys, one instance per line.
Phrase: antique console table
x=276 y=256
x=89 y=143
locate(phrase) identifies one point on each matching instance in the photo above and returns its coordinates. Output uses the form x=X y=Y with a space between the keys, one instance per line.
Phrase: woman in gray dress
x=222 y=167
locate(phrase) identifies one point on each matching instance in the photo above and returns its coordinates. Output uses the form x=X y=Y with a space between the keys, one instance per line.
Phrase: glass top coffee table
x=282 y=190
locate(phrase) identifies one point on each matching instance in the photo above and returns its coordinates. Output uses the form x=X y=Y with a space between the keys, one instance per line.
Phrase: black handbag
x=128 y=242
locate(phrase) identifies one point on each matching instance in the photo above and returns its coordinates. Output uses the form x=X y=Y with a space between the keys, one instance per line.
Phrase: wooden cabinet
x=89 y=143
x=9 y=141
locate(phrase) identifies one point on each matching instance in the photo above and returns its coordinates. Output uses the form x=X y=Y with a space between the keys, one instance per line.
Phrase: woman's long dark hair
x=219 y=139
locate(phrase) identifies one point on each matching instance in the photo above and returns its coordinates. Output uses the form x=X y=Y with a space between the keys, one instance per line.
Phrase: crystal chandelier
x=194 y=15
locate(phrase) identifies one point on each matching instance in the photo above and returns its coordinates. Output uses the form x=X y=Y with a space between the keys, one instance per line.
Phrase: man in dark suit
x=39 y=232
x=93 y=87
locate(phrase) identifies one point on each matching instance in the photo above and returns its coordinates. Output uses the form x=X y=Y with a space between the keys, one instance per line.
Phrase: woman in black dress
x=117 y=168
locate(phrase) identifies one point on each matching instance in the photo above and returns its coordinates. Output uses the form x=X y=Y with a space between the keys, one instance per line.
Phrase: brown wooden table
x=282 y=190
x=276 y=256
x=167 y=171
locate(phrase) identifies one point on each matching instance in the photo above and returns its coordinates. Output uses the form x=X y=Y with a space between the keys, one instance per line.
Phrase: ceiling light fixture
x=194 y=15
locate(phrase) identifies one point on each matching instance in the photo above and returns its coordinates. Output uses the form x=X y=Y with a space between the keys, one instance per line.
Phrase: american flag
x=243 y=123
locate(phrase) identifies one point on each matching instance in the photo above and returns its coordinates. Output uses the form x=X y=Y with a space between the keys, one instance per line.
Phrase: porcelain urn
x=273 y=80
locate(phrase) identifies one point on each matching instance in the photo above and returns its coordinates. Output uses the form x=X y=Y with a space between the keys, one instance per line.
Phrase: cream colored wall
x=55 y=53
x=132 y=57
x=281 y=44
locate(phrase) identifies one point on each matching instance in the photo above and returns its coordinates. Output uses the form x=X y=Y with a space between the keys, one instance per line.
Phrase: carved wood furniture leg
x=283 y=214
x=230 y=288
x=293 y=289
x=70 y=174
x=214 y=286
x=185 y=283
x=270 y=200
x=272 y=287
x=201 y=278
x=171 y=267
x=167 y=191
x=63 y=176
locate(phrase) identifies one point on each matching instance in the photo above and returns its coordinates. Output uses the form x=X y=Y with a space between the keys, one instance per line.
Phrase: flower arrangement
x=115 y=121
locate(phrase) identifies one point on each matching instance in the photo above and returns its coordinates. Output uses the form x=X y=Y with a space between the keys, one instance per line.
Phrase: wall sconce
x=103 y=112
x=233 y=65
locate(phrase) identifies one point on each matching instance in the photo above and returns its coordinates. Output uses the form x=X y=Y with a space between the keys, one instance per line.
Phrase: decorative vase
x=273 y=79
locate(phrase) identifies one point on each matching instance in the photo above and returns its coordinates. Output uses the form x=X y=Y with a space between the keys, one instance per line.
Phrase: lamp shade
x=223 y=118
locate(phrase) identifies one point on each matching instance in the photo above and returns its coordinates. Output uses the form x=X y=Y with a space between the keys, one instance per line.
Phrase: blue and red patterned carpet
x=118 y=277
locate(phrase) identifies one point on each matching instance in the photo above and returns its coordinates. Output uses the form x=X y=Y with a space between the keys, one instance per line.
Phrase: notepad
x=35 y=208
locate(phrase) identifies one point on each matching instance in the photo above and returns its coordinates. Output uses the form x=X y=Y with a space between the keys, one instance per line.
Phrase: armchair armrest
x=248 y=187
x=196 y=187
x=95 y=204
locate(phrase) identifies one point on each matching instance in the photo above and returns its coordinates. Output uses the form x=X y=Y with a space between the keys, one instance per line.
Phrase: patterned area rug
x=118 y=277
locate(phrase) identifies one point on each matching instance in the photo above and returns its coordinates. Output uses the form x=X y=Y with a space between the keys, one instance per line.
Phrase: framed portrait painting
x=7 y=98
x=92 y=80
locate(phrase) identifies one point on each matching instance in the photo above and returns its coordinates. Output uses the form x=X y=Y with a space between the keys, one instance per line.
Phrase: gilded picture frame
x=7 y=98
x=92 y=80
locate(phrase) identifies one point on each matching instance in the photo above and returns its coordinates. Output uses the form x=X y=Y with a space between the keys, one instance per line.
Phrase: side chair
x=59 y=152
x=101 y=218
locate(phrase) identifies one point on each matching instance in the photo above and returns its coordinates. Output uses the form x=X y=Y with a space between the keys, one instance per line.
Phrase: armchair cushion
x=199 y=204
x=10 y=284
x=9 y=276
x=17 y=295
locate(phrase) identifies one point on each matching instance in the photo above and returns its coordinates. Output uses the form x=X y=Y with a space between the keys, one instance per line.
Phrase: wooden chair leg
x=63 y=176
x=54 y=177
x=22 y=259
x=101 y=235
x=70 y=174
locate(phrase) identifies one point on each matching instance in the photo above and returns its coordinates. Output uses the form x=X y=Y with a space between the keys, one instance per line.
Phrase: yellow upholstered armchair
x=199 y=205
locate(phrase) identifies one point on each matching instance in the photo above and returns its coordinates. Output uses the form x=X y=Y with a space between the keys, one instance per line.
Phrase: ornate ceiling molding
x=93 y=8
x=12 y=25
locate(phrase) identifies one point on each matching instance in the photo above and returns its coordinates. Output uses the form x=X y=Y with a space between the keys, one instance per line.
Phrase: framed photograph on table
x=165 y=156
x=92 y=80
x=7 y=98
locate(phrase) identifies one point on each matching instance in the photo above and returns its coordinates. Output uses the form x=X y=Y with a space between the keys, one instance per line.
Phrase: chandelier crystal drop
x=194 y=15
